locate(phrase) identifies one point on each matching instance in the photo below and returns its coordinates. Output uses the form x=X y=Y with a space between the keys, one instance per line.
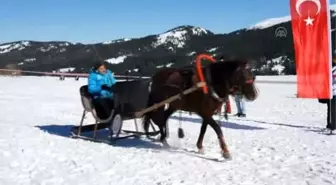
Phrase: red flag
x=312 y=46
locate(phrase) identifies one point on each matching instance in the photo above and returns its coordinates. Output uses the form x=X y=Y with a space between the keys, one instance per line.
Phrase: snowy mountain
x=175 y=47
x=278 y=20
x=179 y=36
x=270 y=22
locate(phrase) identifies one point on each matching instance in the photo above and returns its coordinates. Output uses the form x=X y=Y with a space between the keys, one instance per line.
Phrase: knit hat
x=98 y=64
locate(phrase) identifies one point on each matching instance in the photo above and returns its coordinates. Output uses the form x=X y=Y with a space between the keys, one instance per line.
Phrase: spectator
x=227 y=109
x=331 y=104
x=240 y=104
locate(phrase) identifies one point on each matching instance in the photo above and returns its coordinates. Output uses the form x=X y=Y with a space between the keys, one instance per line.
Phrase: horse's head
x=235 y=76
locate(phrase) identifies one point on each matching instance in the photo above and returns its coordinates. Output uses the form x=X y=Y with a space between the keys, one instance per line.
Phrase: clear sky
x=91 y=21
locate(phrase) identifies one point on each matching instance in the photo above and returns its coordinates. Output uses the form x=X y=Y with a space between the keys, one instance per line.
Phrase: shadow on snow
x=142 y=142
x=225 y=124
x=102 y=135
x=307 y=127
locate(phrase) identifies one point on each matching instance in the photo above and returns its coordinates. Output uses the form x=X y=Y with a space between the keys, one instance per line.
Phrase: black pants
x=103 y=107
x=331 y=115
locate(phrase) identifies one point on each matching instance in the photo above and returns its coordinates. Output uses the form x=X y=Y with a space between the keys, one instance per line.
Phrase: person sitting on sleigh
x=101 y=86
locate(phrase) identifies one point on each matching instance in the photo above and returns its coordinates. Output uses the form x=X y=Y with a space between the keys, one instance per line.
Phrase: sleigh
x=130 y=103
x=129 y=98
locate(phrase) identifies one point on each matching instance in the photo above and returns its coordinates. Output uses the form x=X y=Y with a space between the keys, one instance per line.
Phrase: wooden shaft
x=169 y=100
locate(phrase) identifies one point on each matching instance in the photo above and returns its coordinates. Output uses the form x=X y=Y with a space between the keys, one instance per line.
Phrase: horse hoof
x=200 y=151
x=227 y=155
x=180 y=133
x=166 y=145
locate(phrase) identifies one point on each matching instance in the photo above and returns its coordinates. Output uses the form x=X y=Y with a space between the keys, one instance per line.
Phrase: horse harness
x=212 y=91
x=189 y=79
x=233 y=90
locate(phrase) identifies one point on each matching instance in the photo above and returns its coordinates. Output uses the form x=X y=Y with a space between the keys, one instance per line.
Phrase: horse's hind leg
x=167 y=114
x=159 y=118
x=201 y=137
x=225 y=151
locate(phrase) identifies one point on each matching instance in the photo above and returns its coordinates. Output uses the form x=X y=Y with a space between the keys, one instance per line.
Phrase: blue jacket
x=95 y=82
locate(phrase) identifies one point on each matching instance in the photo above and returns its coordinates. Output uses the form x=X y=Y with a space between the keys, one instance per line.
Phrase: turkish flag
x=312 y=46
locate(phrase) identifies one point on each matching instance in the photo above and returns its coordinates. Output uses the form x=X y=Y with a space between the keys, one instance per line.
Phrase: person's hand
x=113 y=88
x=105 y=87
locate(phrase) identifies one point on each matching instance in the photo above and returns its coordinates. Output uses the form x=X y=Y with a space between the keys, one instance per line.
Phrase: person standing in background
x=240 y=104
x=227 y=108
x=331 y=103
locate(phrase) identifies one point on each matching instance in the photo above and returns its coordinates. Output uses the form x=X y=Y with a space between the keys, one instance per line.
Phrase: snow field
x=278 y=143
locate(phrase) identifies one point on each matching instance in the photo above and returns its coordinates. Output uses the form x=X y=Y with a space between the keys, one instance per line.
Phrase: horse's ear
x=219 y=58
x=250 y=64
x=244 y=64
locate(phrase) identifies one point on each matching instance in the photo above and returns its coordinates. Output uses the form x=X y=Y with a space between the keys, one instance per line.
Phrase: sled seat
x=88 y=106
x=115 y=120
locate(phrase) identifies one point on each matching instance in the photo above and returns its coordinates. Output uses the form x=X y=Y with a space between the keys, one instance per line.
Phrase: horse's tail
x=146 y=120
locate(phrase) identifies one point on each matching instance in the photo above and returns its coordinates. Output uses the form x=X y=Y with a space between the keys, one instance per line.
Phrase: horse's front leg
x=201 y=137
x=164 y=116
x=225 y=151
x=158 y=118
x=163 y=137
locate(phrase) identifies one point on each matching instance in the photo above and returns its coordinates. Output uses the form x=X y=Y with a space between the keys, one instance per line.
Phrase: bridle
x=233 y=88
x=208 y=80
x=236 y=88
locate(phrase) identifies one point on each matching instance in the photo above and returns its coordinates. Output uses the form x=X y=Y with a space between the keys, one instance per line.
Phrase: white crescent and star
x=309 y=20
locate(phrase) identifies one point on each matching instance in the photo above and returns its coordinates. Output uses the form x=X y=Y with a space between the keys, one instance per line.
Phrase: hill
x=272 y=55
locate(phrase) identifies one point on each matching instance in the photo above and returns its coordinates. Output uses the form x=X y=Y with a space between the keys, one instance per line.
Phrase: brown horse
x=223 y=78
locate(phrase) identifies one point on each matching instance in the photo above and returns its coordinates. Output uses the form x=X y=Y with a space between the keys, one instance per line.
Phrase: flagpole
x=330 y=50
x=332 y=102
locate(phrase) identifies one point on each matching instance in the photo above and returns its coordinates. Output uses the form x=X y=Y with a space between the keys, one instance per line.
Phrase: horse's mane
x=221 y=70
x=228 y=66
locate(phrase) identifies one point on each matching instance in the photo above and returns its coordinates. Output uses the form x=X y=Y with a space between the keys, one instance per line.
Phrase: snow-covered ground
x=278 y=142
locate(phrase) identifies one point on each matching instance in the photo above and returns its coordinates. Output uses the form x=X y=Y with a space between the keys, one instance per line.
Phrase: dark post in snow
x=332 y=102
x=126 y=73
